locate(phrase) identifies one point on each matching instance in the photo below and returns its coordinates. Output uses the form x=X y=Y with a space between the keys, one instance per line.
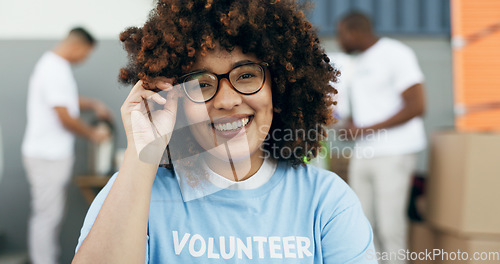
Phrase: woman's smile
x=231 y=126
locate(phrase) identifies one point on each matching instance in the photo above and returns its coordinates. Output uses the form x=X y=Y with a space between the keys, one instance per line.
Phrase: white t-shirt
x=374 y=82
x=51 y=84
x=263 y=175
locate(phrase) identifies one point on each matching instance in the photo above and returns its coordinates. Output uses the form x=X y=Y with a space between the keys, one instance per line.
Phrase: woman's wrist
x=138 y=168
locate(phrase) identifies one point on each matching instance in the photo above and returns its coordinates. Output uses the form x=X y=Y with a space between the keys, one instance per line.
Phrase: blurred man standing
x=386 y=98
x=48 y=147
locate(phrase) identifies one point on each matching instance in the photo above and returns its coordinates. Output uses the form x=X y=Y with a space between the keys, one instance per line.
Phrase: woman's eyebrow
x=241 y=62
x=200 y=70
x=234 y=65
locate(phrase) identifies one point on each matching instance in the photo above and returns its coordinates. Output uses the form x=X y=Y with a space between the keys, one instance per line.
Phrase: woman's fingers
x=163 y=83
x=137 y=87
x=139 y=99
x=158 y=99
x=143 y=100
x=147 y=125
x=172 y=98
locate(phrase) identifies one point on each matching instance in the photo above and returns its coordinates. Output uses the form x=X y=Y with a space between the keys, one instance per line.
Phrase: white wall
x=52 y=19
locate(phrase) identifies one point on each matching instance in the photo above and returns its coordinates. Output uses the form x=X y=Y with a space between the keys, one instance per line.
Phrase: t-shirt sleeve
x=93 y=211
x=58 y=86
x=406 y=70
x=347 y=236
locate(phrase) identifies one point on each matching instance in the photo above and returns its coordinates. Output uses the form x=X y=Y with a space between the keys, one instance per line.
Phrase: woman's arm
x=119 y=232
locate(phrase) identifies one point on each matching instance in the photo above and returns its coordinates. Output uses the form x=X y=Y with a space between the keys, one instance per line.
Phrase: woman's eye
x=205 y=85
x=246 y=76
x=199 y=86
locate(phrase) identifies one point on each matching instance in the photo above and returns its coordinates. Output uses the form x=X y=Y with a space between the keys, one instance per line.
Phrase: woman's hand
x=148 y=129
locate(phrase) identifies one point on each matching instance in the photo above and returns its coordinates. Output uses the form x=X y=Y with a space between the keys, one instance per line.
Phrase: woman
x=239 y=91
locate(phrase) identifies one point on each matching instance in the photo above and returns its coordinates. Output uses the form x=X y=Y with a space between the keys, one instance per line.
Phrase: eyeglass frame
x=219 y=77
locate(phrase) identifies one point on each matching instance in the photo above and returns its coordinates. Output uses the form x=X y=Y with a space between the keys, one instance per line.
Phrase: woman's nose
x=227 y=97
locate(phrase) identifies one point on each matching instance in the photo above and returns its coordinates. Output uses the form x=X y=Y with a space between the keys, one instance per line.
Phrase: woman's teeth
x=232 y=126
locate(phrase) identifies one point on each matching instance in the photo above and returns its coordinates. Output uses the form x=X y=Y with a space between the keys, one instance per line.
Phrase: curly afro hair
x=275 y=31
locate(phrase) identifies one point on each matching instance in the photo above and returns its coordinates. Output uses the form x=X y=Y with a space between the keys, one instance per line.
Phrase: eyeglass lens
x=246 y=79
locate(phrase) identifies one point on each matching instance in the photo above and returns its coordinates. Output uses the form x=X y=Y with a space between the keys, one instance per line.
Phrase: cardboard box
x=443 y=247
x=464 y=183
x=421 y=239
x=454 y=248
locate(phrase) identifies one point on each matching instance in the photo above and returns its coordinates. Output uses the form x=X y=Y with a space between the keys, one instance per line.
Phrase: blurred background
x=29 y=28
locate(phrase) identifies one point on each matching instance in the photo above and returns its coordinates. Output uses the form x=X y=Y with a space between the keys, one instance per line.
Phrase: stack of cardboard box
x=463 y=197
x=463 y=191
x=463 y=194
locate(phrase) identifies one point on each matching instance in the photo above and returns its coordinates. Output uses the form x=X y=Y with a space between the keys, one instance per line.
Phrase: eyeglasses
x=202 y=86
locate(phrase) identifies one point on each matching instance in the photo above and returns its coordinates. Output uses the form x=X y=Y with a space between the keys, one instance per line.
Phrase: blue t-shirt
x=301 y=215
